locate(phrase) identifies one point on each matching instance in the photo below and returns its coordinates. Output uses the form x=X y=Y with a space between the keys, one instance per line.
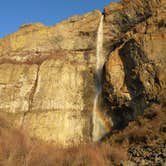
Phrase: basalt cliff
x=49 y=79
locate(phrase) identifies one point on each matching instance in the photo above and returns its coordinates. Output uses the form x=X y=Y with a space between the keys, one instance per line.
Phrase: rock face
x=47 y=73
x=47 y=78
x=135 y=42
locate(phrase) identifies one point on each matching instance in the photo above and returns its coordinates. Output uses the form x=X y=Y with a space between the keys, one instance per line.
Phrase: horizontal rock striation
x=47 y=78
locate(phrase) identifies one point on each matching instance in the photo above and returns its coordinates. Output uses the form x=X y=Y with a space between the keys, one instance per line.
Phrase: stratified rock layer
x=47 y=78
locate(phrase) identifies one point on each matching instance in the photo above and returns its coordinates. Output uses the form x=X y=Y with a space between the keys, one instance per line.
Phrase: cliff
x=47 y=74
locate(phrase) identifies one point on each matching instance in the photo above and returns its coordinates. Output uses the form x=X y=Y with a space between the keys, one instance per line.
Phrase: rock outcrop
x=135 y=42
x=47 y=74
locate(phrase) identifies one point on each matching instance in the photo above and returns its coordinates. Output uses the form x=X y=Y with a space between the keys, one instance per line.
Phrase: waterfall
x=100 y=127
x=100 y=57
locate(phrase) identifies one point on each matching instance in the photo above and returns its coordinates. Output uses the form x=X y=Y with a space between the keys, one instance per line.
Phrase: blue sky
x=14 y=13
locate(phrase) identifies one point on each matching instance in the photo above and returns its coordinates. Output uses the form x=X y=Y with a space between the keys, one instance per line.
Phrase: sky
x=14 y=13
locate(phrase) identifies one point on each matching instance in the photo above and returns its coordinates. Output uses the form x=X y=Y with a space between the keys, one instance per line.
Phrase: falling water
x=99 y=126
x=100 y=57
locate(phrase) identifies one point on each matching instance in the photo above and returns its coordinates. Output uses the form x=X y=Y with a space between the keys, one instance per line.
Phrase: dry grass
x=17 y=149
x=145 y=129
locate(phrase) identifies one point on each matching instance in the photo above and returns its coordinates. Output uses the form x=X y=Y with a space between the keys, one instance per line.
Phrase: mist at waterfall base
x=100 y=125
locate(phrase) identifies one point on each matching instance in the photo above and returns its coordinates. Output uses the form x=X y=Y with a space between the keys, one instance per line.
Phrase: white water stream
x=99 y=128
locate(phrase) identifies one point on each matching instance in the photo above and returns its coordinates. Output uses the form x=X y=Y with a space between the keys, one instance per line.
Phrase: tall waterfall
x=100 y=57
x=100 y=127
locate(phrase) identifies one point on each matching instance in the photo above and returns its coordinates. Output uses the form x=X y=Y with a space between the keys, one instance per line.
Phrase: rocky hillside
x=47 y=74
x=135 y=42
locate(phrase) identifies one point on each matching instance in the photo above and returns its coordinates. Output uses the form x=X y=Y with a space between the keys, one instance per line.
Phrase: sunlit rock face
x=47 y=74
x=47 y=78
x=16 y=84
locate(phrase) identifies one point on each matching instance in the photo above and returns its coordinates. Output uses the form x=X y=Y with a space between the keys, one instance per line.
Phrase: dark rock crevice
x=33 y=90
x=31 y=97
